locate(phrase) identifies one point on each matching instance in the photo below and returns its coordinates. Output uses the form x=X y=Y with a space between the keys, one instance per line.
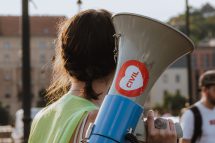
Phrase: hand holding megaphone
x=153 y=129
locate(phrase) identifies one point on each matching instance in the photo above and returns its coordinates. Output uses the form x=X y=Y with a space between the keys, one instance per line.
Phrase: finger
x=162 y=127
x=168 y=125
x=171 y=125
x=172 y=129
x=178 y=130
x=150 y=121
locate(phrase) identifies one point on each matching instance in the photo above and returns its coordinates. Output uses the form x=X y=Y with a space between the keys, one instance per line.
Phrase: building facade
x=175 y=78
x=43 y=33
x=203 y=59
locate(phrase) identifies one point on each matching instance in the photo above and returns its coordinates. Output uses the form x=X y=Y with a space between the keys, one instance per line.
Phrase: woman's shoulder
x=46 y=111
x=67 y=104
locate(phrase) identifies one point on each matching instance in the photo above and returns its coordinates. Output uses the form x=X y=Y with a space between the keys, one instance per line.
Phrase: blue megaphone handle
x=116 y=116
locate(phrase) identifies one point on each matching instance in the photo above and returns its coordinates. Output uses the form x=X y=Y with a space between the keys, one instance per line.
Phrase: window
x=194 y=64
x=42 y=44
x=165 y=93
x=178 y=92
x=42 y=59
x=53 y=44
x=45 y=30
x=206 y=60
x=165 y=78
x=7 y=95
x=6 y=45
x=213 y=58
x=7 y=57
x=7 y=75
x=177 y=78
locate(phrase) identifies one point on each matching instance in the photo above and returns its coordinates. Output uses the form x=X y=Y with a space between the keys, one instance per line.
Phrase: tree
x=178 y=102
x=202 y=23
x=173 y=103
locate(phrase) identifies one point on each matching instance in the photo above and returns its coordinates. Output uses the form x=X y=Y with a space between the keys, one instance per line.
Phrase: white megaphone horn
x=150 y=42
x=146 y=47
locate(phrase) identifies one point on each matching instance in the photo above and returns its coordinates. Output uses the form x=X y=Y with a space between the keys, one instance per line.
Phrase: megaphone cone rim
x=162 y=23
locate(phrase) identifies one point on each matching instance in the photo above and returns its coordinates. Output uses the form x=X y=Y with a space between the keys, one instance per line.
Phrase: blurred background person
x=198 y=122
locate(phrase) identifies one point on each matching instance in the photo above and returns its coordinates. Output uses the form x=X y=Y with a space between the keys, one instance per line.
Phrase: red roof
x=39 y=25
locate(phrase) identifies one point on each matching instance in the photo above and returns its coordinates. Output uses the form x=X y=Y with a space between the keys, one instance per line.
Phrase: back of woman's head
x=84 y=51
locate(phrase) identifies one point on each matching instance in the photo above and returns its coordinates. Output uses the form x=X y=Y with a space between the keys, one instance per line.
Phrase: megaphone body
x=146 y=47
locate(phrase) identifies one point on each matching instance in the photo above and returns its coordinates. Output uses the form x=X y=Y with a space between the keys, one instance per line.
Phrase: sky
x=158 y=9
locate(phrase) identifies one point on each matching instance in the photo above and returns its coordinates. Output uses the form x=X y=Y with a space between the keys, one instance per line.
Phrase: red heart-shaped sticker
x=132 y=78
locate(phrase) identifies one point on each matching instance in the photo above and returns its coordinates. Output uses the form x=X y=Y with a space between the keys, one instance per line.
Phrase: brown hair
x=84 y=50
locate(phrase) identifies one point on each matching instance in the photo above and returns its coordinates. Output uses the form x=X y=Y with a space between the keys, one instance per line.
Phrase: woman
x=83 y=70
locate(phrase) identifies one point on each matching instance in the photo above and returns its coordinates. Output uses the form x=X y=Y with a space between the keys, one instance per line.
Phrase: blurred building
x=175 y=78
x=43 y=32
x=203 y=59
x=204 y=56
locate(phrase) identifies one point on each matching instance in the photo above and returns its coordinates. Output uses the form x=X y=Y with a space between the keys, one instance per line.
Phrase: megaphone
x=144 y=48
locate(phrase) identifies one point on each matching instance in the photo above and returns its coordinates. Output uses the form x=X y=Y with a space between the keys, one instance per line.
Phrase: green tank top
x=57 y=122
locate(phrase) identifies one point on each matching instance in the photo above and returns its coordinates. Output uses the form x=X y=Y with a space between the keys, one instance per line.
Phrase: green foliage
x=173 y=103
x=201 y=26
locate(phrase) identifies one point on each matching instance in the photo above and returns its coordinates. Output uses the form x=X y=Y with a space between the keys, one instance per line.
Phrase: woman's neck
x=99 y=86
x=77 y=87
